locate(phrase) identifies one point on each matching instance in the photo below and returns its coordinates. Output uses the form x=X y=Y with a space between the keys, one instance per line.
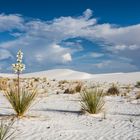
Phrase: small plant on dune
x=128 y=88
x=70 y=90
x=113 y=90
x=5 y=130
x=3 y=83
x=78 y=87
x=137 y=84
x=92 y=101
x=20 y=98
x=74 y=87
x=63 y=82
x=138 y=95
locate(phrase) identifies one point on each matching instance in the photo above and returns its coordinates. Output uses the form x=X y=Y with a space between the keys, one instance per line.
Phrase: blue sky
x=95 y=36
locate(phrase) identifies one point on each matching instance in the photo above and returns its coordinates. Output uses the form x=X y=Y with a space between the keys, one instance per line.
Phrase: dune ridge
x=67 y=74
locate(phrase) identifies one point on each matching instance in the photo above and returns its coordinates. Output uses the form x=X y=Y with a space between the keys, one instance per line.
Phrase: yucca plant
x=20 y=98
x=92 y=101
x=5 y=130
x=20 y=102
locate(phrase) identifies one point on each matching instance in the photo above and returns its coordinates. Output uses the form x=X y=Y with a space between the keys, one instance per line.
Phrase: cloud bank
x=59 y=43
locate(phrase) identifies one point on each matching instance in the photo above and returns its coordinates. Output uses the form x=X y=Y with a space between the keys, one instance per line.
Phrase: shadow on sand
x=62 y=111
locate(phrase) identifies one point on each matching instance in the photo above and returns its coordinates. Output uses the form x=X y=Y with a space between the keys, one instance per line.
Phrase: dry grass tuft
x=3 y=83
x=74 y=87
x=138 y=95
x=137 y=84
x=113 y=90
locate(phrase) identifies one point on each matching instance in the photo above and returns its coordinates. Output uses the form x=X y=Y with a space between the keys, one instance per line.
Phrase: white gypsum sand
x=57 y=116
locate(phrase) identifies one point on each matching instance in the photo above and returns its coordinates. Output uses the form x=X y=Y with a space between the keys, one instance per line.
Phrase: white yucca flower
x=19 y=66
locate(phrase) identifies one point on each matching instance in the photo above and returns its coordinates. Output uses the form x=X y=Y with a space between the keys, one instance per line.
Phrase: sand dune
x=117 y=77
x=60 y=74
x=67 y=74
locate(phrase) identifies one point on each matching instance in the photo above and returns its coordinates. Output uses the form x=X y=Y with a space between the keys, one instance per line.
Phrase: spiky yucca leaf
x=20 y=101
x=5 y=130
x=92 y=101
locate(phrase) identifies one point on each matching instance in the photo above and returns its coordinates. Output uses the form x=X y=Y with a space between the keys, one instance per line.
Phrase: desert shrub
x=113 y=90
x=78 y=87
x=138 y=95
x=5 y=130
x=137 y=84
x=70 y=91
x=74 y=88
x=20 y=101
x=3 y=83
x=128 y=88
x=92 y=101
x=63 y=82
x=36 y=79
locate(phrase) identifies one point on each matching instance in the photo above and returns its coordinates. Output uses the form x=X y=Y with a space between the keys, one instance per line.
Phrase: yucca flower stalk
x=18 y=67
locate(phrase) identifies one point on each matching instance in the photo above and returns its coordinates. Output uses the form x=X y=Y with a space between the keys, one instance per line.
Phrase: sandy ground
x=58 y=117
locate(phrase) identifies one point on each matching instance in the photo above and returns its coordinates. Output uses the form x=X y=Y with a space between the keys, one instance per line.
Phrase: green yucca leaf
x=5 y=130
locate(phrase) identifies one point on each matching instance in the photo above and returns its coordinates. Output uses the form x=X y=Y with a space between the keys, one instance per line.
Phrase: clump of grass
x=138 y=95
x=5 y=130
x=137 y=84
x=3 y=83
x=70 y=91
x=36 y=79
x=63 y=82
x=74 y=87
x=78 y=87
x=113 y=90
x=20 y=101
x=92 y=101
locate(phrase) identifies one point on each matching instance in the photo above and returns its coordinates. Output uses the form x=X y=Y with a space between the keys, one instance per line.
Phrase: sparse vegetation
x=78 y=87
x=3 y=83
x=137 y=84
x=5 y=130
x=128 y=88
x=70 y=90
x=74 y=87
x=138 y=95
x=113 y=90
x=92 y=101
x=63 y=82
x=36 y=79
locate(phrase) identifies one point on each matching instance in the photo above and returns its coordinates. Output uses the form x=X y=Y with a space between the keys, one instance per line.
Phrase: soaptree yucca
x=20 y=98
x=92 y=101
x=20 y=101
